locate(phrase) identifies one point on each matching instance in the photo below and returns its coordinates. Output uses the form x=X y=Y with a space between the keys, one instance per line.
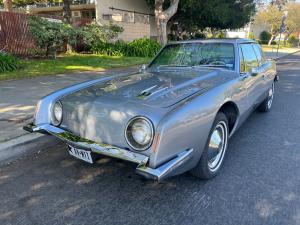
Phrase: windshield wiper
x=210 y=65
x=172 y=65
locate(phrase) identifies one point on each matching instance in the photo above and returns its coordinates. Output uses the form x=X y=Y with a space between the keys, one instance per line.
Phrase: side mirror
x=254 y=72
x=143 y=68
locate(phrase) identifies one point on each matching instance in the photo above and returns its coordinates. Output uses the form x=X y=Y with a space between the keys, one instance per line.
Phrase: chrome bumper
x=159 y=173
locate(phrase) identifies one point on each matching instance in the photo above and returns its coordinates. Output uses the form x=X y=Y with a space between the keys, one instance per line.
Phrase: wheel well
x=231 y=111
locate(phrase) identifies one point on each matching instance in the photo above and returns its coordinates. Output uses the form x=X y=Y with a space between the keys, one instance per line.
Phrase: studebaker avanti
x=174 y=115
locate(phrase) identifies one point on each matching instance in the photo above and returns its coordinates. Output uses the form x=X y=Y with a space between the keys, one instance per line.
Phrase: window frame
x=240 y=46
x=235 y=53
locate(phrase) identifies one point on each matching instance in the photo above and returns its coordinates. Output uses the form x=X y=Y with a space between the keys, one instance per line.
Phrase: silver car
x=174 y=115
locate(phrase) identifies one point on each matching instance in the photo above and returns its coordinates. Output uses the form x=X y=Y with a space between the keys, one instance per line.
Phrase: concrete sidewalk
x=18 y=98
x=272 y=53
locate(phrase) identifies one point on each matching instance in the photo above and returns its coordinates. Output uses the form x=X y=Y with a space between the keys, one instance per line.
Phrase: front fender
x=186 y=127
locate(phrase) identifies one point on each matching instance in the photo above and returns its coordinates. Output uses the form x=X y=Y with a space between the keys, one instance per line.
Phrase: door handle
x=244 y=77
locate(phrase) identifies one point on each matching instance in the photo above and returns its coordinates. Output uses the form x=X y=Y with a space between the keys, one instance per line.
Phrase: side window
x=250 y=59
x=242 y=63
x=260 y=56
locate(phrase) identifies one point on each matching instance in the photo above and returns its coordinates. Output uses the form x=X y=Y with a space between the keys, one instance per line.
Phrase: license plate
x=81 y=154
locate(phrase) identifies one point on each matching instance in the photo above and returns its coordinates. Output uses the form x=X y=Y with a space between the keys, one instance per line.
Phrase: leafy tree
x=7 y=5
x=163 y=10
x=271 y=17
x=292 y=20
x=216 y=14
x=279 y=3
x=195 y=15
x=23 y=3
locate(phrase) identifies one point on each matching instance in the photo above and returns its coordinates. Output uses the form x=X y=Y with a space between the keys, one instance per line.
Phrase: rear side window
x=249 y=55
x=259 y=53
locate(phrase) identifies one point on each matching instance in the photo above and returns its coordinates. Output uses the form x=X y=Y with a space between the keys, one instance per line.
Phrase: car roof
x=217 y=40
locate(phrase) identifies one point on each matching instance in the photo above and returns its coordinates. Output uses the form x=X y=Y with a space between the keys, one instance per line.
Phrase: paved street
x=259 y=183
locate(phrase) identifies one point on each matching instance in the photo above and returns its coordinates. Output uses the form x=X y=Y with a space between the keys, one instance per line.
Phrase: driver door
x=251 y=75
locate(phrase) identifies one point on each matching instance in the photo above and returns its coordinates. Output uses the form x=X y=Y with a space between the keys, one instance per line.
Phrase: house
x=135 y=16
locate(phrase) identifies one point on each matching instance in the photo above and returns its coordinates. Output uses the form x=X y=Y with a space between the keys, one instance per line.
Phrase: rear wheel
x=213 y=155
x=266 y=105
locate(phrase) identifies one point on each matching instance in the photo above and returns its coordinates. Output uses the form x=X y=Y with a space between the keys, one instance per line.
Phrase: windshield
x=196 y=54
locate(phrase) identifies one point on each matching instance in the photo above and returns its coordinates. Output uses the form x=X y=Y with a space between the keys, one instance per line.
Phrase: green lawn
x=70 y=64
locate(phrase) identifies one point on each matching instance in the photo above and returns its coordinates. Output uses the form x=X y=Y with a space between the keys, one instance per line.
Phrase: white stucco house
x=135 y=16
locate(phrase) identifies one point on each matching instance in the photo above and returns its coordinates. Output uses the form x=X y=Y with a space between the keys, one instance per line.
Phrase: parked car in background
x=175 y=115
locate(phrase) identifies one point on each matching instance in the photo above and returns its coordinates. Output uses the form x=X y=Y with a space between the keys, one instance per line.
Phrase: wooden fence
x=15 y=36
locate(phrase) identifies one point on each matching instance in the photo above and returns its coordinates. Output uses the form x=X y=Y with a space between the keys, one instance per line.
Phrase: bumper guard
x=159 y=173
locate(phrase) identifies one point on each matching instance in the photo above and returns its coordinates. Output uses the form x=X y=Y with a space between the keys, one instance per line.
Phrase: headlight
x=139 y=133
x=57 y=113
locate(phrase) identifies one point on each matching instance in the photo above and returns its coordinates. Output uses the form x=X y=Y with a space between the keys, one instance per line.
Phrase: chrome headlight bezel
x=129 y=137
x=55 y=118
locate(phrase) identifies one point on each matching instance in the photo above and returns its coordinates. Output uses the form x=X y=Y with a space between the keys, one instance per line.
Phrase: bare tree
x=7 y=5
x=163 y=16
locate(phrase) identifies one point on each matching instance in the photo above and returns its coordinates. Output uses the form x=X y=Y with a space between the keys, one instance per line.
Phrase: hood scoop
x=150 y=91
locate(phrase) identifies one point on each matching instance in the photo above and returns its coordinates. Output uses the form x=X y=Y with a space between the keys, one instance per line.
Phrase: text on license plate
x=81 y=154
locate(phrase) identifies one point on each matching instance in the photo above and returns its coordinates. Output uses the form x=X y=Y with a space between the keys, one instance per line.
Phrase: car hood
x=101 y=111
x=155 y=89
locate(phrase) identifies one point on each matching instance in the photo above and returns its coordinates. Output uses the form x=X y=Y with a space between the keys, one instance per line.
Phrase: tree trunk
x=7 y=5
x=162 y=17
x=271 y=39
x=67 y=14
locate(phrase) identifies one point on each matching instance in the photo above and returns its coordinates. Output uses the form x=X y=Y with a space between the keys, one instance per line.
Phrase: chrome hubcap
x=271 y=96
x=217 y=146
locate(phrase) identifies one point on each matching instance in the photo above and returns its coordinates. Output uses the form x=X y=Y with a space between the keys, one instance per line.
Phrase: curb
x=26 y=144
x=278 y=58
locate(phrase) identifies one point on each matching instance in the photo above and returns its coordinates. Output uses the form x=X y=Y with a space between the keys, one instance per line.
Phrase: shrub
x=171 y=37
x=94 y=34
x=47 y=34
x=110 y=49
x=8 y=62
x=220 y=35
x=51 y=35
x=292 y=40
x=199 y=35
x=251 y=35
x=142 y=47
x=265 y=36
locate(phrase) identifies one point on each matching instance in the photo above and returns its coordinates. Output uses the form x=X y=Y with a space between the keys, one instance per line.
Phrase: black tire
x=204 y=168
x=266 y=105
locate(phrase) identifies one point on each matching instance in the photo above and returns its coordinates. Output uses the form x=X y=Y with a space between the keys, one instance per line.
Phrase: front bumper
x=159 y=173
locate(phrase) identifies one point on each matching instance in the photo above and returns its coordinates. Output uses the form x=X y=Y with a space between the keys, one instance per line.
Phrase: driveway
x=259 y=183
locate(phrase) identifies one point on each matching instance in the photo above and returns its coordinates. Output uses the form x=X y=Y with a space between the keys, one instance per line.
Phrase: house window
x=128 y=17
x=88 y=14
x=139 y=18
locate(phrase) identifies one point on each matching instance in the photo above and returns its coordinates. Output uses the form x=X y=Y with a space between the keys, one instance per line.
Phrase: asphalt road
x=259 y=183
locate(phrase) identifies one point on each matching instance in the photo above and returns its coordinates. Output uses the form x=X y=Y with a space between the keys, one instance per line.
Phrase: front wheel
x=213 y=155
x=266 y=105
